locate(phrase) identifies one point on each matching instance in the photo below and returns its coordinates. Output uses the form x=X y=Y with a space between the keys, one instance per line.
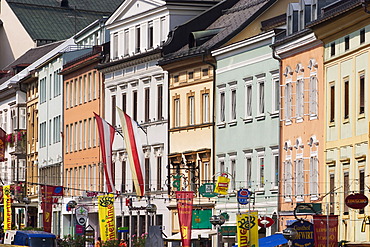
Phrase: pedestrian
x=98 y=242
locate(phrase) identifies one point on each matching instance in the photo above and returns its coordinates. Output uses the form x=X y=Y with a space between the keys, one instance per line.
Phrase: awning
x=205 y=233
x=272 y=241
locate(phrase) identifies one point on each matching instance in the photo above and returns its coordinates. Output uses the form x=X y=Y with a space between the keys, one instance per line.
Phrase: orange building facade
x=83 y=96
x=302 y=126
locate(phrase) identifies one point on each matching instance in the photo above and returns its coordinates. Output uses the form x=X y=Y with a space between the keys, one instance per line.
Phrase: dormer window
x=292 y=18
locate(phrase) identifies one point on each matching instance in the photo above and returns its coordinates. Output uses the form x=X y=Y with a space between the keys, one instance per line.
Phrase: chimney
x=64 y=4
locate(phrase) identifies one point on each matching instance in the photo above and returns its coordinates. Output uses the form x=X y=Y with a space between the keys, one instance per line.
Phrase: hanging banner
x=247 y=229
x=2 y=144
x=7 y=208
x=46 y=206
x=185 y=211
x=106 y=217
x=321 y=228
x=305 y=233
x=222 y=185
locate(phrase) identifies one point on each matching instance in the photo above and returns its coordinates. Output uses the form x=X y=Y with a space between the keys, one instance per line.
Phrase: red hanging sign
x=324 y=230
x=185 y=210
x=2 y=144
x=47 y=206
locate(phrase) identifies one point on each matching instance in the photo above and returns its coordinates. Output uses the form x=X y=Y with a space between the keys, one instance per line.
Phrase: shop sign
x=308 y=208
x=265 y=222
x=200 y=219
x=305 y=236
x=207 y=190
x=326 y=226
x=222 y=184
x=123 y=229
x=228 y=230
x=356 y=201
x=243 y=196
x=81 y=215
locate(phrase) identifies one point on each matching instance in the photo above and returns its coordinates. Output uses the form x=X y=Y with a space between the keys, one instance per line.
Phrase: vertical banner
x=47 y=206
x=185 y=211
x=222 y=185
x=247 y=229
x=106 y=217
x=2 y=144
x=7 y=208
x=324 y=229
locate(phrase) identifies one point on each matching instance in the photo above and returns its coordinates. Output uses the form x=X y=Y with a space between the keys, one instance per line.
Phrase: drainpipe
x=214 y=66
x=280 y=127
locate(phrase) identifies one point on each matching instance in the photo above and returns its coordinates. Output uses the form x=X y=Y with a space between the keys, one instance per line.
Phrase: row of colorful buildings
x=270 y=92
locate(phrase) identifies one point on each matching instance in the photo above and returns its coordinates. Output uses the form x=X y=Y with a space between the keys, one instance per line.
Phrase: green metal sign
x=309 y=208
x=228 y=230
x=207 y=189
x=200 y=219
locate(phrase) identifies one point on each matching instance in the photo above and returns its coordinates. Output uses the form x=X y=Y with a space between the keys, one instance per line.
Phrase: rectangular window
x=67 y=139
x=332 y=103
x=233 y=173
x=57 y=129
x=80 y=140
x=276 y=170
x=137 y=39
x=126 y=42
x=205 y=72
x=163 y=30
x=248 y=172
x=346 y=191
x=205 y=106
x=84 y=134
x=124 y=102
x=43 y=90
x=288 y=183
x=134 y=105
x=261 y=97
x=314 y=177
x=346 y=99
x=94 y=130
x=362 y=36
x=191 y=110
x=159 y=102
x=233 y=105
x=93 y=87
x=222 y=107
x=299 y=174
x=288 y=100
x=222 y=166
x=89 y=92
x=70 y=137
x=362 y=95
x=150 y=35
x=75 y=93
x=332 y=49
x=313 y=95
x=113 y=110
x=50 y=131
x=80 y=93
x=123 y=183
x=159 y=173
x=22 y=118
x=67 y=95
x=50 y=85
x=14 y=118
x=346 y=43
x=89 y=133
x=261 y=164
x=71 y=94
x=362 y=186
x=147 y=175
x=147 y=104
x=300 y=98
x=115 y=45
x=75 y=130
x=85 y=88
x=42 y=135
x=248 y=101
x=276 y=101
x=57 y=83
x=177 y=112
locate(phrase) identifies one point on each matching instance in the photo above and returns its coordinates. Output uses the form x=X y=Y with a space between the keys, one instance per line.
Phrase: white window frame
x=276 y=93
x=248 y=99
x=22 y=118
x=206 y=109
x=191 y=105
x=314 y=177
x=288 y=102
x=126 y=44
x=221 y=162
x=299 y=179
x=248 y=168
x=313 y=96
x=233 y=165
x=288 y=180
x=221 y=106
x=233 y=103
x=261 y=183
x=299 y=99
x=261 y=104
x=177 y=110
x=275 y=182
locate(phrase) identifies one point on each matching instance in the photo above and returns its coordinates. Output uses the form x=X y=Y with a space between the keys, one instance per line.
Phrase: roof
x=229 y=22
x=47 y=20
x=29 y=57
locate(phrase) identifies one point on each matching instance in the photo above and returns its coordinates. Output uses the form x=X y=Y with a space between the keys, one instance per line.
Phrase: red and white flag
x=134 y=150
x=106 y=136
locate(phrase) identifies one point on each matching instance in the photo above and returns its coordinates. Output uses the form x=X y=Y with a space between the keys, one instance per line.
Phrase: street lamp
x=290 y=234
x=26 y=201
x=217 y=221
x=151 y=209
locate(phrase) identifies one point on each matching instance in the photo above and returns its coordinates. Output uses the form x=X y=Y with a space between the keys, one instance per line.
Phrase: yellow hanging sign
x=106 y=217
x=247 y=229
x=7 y=208
x=222 y=185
